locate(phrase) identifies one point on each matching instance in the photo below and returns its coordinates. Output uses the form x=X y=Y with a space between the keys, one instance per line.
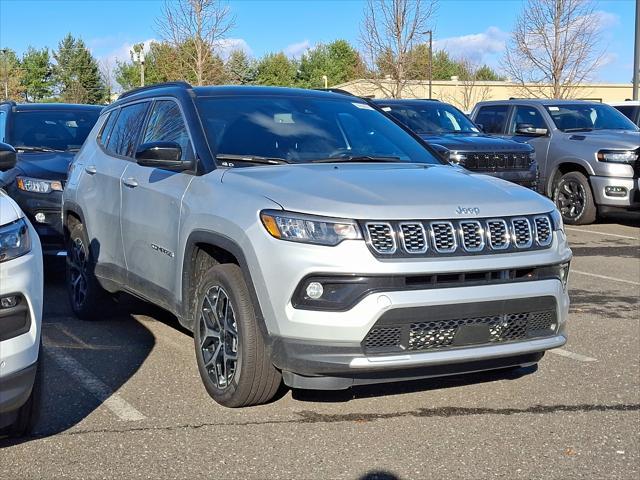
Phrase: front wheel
x=574 y=199
x=232 y=359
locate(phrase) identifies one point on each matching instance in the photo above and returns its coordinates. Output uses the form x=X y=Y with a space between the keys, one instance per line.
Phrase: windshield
x=52 y=129
x=588 y=116
x=302 y=129
x=432 y=117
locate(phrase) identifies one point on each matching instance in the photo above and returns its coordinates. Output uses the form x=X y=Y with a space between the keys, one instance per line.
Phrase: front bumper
x=629 y=198
x=50 y=230
x=525 y=178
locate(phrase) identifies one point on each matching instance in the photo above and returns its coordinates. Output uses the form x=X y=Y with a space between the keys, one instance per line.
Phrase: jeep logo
x=468 y=211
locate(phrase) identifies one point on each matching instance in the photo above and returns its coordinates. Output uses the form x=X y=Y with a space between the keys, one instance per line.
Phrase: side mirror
x=529 y=130
x=8 y=157
x=480 y=126
x=163 y=155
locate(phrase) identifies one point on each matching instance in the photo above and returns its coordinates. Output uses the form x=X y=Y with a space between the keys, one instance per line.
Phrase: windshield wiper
x=38 y=149
x=357 y=158
x=579 y=129
x=251 y=159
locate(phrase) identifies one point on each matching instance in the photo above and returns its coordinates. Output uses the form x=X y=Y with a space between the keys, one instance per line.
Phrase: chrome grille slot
x=381 y=237
x=472 y=235
x=443 y=237
x=543 y=230
x=414 y=239
x=498 y=234
x=521 y=232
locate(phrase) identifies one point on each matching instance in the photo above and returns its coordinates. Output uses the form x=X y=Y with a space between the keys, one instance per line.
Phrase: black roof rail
x=336 y=90
x=133 y=91
x=8 y=102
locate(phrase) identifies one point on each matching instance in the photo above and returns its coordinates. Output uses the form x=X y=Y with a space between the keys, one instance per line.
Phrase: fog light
x=40 y=217
x=615 y=191
x=8 y=302
x=314 y=290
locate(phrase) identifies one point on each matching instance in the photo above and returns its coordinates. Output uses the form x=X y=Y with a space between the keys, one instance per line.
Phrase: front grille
x=461 y=332
x=521 y=232
x=382 y=237
x=494 y=161
x=458 y=237
x=413 y=237
x=443 y=236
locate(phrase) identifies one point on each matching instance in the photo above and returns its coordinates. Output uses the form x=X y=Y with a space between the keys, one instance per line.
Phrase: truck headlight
x=14 y=240
x=298 y=227
x=36 y=185
x=618 y=156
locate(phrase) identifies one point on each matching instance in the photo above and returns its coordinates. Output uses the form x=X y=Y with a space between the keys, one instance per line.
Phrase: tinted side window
x=527 y=115
x=167 y=125
x=103 y=138
x=3 y=125
x=493 y=118
x=126 y=130
x=627 y=110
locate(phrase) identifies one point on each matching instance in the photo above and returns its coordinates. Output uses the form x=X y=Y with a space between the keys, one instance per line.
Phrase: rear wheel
x=574 y=199
x=232 y=359
x=88 y=299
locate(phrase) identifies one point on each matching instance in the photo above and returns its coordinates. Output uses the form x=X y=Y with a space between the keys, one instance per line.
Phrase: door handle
x=130 y=182
x=91 y=169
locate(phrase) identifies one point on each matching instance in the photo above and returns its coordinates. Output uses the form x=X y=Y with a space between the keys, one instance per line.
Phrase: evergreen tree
x=77 y=73
x=240 y=69
x=338 y=60
x=11 y=74
x=276 y=69
x=37 y=74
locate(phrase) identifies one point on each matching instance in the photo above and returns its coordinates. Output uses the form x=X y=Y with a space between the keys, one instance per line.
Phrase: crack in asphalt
x=309 y=417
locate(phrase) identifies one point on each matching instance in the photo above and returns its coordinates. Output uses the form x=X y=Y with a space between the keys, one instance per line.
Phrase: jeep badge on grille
x=468 y=210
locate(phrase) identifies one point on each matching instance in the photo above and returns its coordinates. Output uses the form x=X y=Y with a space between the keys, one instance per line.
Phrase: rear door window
x=126 y=131
x=493 y=118
x=166 y=124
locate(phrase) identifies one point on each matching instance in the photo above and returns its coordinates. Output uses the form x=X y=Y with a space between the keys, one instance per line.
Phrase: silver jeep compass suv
x=305 y=236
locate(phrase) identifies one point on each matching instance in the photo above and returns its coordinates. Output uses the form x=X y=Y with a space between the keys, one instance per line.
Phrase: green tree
x=77 y=73
x=11 y=74
x=487 y=73
x=338 y=60
x=276 y=69
x=37 y=78
x=240 y=69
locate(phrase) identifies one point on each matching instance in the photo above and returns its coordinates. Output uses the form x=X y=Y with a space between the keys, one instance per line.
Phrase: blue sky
x=476 y=28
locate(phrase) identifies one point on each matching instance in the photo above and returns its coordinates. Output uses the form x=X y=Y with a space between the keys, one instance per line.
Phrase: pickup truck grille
x=494 y=161
x=458 y=237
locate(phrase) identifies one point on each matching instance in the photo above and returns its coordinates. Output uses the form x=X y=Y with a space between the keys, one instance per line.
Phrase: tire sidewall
x=219 y=275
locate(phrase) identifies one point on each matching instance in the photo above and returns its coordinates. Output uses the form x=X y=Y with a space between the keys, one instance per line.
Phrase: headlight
x=14 y=240
x=617 y=156
x=532 y=157
x=556 y=219
x=36 y=185
x=298 y=227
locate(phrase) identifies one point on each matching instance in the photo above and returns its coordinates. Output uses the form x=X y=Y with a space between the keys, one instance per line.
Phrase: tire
x=28 y=415
x=227 y=335
x=574 y=199
x=89 y=301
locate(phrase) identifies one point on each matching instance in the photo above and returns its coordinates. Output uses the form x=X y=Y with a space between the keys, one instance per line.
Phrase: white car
x=21 y=285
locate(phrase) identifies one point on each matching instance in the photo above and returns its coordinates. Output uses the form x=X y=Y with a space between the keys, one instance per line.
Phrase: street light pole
x=636 y=57
x=141 y=57
x=430 y=33
x=5 y=52
x=326 y=81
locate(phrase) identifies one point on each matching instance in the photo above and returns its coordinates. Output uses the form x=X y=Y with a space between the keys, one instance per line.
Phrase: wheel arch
x=566 y=167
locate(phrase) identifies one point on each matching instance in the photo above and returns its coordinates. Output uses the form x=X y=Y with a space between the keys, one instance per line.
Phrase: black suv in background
x=460 y=141
x=46 y=137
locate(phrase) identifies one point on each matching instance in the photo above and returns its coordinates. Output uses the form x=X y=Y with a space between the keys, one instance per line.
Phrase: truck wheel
x=574 y=199
x=89 y=301
x=232 y=359
x=28 y=414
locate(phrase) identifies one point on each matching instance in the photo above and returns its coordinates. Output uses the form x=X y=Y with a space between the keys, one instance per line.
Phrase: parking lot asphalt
x=123 y=399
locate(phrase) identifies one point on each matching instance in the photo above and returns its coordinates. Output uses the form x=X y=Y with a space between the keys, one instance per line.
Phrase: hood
x=606 y=139
x=45 y=165
x=385 y=191
x=475 y=142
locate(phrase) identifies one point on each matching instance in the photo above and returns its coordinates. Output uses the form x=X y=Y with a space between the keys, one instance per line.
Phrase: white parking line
x=604 y=277
x=111 y=400
x=572 y=229
x=574 y=356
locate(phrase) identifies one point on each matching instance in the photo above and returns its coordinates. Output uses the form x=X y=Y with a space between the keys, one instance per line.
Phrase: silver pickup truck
x=587 y=152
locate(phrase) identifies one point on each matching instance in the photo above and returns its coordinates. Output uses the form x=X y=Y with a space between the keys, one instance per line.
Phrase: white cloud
x=123 y=52
x=605 y=20
x=228 y=45
x=295 y=50
x=475 y=46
